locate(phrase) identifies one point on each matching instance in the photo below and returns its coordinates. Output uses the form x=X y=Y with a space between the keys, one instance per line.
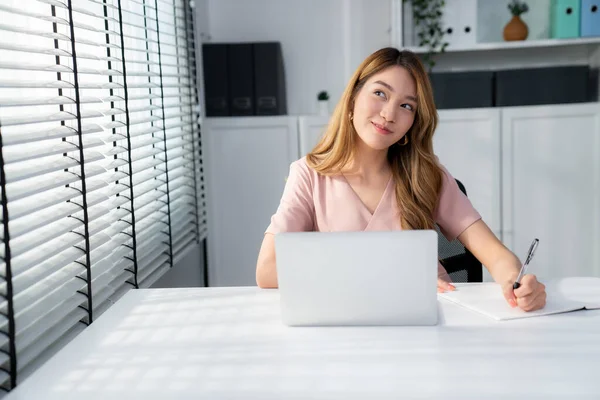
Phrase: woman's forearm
x=502 y=264
x=505 y=268
x=266 y=269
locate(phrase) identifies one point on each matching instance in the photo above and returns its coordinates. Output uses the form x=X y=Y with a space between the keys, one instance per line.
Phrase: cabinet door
x=551 y=187
x=247 y=161
x=467 y=142
x=311 y=128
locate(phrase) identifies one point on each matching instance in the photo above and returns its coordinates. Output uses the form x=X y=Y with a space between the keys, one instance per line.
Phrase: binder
x=566 y=15
x=269 y=79
x=459 y=22
x=240 y=67
x=590 y=18
x=216 y=86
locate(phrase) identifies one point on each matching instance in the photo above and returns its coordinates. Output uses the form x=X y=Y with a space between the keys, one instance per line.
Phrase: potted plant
x=323 y=101
x=427 y=15
x=516 y=29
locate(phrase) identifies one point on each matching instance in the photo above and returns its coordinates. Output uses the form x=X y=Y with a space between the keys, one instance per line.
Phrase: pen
x=530 y=253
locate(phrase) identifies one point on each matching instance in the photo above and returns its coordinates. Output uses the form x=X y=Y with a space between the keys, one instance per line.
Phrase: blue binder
x=590 y=18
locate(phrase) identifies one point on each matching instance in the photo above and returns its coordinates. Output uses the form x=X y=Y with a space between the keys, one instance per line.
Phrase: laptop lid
x=358 y=278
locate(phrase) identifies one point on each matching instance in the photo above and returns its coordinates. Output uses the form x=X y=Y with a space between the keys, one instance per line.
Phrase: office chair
x=460 y=263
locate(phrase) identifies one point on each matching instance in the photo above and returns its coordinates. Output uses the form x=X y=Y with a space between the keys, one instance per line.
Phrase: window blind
x=101 y=174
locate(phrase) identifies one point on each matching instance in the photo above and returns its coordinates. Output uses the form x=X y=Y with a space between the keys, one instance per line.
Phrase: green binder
x=566 y=18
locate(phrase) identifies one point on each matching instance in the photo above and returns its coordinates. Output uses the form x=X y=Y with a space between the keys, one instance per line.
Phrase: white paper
x=564 y=295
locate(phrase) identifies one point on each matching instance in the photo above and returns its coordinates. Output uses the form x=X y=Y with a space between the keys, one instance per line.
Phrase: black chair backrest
x=460 y=263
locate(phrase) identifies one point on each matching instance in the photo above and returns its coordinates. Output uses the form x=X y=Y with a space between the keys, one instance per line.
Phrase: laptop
x=358 y=278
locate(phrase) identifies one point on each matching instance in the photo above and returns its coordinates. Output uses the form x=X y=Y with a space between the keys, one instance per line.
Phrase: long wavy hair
x=417 y=175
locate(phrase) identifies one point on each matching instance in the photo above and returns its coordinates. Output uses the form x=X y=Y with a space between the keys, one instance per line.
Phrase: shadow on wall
x=187 y=272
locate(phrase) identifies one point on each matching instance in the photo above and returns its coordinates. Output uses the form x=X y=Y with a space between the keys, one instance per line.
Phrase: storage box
x=472 y=89
x=565 y=20
x=554 y=85
x=590 y=18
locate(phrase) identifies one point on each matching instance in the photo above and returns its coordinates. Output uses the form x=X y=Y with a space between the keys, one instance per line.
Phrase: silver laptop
x=357 y=278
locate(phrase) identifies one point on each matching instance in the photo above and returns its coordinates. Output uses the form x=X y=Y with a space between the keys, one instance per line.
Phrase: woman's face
x=384 y=108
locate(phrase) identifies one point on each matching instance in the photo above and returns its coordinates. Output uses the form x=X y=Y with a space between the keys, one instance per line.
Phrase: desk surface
x=229 y=343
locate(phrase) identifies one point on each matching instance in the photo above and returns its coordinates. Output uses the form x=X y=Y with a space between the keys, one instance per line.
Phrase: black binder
x=269 y=79
x=216 y=91
x=241 y=79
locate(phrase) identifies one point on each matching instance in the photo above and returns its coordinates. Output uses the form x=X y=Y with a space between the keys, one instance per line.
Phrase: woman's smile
x=383 y=129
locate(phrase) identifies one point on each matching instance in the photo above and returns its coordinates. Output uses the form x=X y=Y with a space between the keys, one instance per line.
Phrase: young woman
x=374 y=169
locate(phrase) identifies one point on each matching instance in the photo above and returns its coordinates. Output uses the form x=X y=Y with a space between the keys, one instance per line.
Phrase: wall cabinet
x=530 y=172
x=247 y=162
x=551 y=187
x=310 y=130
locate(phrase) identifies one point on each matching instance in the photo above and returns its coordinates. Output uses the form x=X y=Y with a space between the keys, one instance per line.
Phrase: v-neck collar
x=364 y=208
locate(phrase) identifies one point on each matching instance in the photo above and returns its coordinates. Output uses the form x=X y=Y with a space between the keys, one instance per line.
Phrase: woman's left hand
x=444 y=286
x=530 y=296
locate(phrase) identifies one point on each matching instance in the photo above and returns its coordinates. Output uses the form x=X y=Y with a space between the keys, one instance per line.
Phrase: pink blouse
x=313 y=202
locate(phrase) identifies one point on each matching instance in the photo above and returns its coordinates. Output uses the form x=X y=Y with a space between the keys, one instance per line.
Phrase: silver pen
x=530 y=253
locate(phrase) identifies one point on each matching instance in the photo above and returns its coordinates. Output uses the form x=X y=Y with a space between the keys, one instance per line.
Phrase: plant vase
x=516 y=29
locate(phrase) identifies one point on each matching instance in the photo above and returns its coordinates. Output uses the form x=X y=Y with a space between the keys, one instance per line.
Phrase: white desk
x=228 y=343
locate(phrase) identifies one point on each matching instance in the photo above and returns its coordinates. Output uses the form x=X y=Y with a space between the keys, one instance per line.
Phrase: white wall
x=368 y=28
x=323 y=41
x=187 y=272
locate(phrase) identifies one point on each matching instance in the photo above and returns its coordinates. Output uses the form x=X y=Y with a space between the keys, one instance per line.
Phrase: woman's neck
x=368 y=163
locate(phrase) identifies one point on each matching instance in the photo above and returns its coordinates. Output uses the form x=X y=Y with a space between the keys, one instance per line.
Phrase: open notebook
x=563 y=295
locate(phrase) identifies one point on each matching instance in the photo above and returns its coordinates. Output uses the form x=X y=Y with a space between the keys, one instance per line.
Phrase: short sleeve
x=454 y=212
x=296 y=208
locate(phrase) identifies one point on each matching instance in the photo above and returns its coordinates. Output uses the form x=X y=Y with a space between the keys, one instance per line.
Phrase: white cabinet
x=551 y=187
x=468 y=145
x=247 y=161
x=529 y=171
x=311 y=128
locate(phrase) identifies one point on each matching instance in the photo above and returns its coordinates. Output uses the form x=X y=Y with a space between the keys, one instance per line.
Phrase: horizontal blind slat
x=20 y=208
x=31 y=169
x=44 y=134
x=19 y=190
x=28 y=152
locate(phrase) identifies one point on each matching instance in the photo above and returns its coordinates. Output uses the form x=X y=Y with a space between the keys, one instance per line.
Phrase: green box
x=565 y=19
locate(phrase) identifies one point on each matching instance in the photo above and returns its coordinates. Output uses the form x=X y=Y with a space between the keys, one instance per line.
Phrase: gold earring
x=405 y=137
x=350 y=116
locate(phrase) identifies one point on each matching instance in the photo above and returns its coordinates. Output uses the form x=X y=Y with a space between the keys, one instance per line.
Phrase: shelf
x=524 y=44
